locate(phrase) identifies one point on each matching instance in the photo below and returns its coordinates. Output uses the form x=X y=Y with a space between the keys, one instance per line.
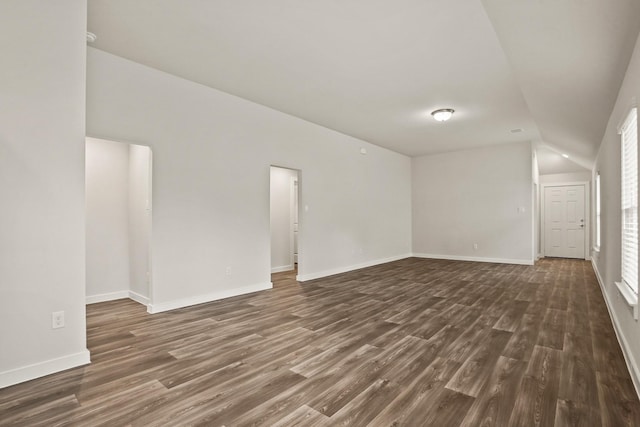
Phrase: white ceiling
x=375 y=69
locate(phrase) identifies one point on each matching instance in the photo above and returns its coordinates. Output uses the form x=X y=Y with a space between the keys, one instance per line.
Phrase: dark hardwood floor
x=414 y=342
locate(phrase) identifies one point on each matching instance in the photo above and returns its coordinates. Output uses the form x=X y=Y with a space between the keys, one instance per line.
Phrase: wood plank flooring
x=414 y=342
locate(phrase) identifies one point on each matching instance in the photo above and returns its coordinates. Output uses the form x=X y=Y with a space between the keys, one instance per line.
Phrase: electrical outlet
x=228 y=271
x=475 y=246
x=57 y=319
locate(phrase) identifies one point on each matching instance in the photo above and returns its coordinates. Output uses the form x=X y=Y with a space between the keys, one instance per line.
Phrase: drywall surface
x=561 y=178
x=139 y=227
x=482 y=196
x=282 y=219
x=607 y=261
x=42 y=138
x=211 y=167
x=107 y=217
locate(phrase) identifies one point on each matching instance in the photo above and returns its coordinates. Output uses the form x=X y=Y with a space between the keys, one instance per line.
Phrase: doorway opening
x=118 y=221
x=284 y=215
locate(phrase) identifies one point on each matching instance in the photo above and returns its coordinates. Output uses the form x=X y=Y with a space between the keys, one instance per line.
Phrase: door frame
x=294 y=211
x=587 y=214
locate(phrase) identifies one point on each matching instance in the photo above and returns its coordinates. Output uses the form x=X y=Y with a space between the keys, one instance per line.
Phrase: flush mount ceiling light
x=566 y=156
x=443 y=114
x=91 y=37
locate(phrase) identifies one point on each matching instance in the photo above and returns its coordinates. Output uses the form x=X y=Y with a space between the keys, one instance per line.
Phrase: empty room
x=235 y=213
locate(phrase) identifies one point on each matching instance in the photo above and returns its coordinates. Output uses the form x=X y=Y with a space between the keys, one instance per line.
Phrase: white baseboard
x=632 y=366
x=93 y=299
x=476 y=259
x=41 y=369
x=138 y=298
x=282 y=268
x=201 y=299
x=331 y=272
x=112 y=296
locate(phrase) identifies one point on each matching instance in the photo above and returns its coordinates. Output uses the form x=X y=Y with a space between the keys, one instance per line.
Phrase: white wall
x=212 y=153
x=562 y=178
x=42 y=237
x=473 y=196
x=607 y=261
x=281 y=200
x=139 y=227
x=107 y=219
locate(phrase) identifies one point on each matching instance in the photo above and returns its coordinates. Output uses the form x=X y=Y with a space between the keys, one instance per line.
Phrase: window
x=598 y=211
x=629 y=150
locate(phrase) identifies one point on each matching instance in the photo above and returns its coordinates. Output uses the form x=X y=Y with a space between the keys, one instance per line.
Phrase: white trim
x=331 y=272
x=292 y=220
x=201 y=299
x=630 y=297
x=626 y=117
x=564 y=184
x=93 y=299
x=595 y=206
x=141 y=299
x=535 y=217
x=476 y=259
x=283 y=268
x=632 y=366
x=112 y=296
x=41 y=369
x=587 y=215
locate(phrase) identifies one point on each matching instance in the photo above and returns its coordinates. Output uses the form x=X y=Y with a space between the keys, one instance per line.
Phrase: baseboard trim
x=632 y=366
x=283 y=268
x=333 y=271
x=476 y=259
x=139 y=298
x=111 y=296
x=41 y=369
x=201 y=299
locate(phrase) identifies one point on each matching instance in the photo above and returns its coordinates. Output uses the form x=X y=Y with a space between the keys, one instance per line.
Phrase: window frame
x=598 y=213
x=629 y=200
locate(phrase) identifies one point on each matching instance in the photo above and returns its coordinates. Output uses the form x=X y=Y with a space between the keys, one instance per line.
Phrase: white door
x=564 y=221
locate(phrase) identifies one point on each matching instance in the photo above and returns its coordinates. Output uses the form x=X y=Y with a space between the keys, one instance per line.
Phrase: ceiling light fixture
x=566 y=156
x=91 y=37
x=443 y=114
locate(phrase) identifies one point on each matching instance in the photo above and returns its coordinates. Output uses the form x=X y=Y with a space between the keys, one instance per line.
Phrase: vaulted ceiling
x=545 y=71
